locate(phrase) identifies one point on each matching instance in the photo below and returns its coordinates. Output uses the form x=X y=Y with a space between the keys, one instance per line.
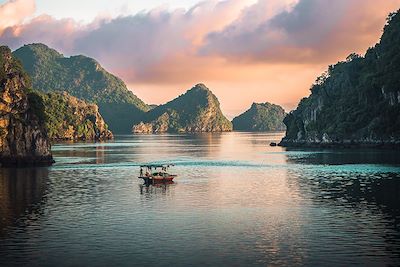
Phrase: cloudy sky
x=244 y=50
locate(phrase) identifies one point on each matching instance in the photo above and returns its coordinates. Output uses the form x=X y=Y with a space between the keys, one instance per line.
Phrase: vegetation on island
x=23 y=138
x=198 y=110
x=84 y=78
x=356 y=100
x=69 y=118
x=261 y=117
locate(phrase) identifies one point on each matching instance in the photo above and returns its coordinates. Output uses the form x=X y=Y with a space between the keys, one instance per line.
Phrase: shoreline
x=344 y=144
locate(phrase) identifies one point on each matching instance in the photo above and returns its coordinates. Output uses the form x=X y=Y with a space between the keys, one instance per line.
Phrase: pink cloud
x=160 y=44
x=130 y=45
x=311 y=31
x=60 y=34
x=231 y=44
x=14 y=12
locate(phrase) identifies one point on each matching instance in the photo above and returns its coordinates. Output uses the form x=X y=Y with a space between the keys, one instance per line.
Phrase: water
x=236 y=202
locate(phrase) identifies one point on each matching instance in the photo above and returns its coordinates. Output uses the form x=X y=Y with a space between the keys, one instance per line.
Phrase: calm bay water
x=236 y=202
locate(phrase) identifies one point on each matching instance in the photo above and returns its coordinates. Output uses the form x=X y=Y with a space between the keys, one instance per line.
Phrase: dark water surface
x=236 y=202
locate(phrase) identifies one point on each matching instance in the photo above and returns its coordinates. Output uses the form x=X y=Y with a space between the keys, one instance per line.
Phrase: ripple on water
x=236 y=201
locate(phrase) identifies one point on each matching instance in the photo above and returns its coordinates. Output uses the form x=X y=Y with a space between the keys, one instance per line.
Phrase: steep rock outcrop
x=198 y=110
x=23 y=140
x=356 y=102
x=69 y=118
x=85 y=78
x=261 y=117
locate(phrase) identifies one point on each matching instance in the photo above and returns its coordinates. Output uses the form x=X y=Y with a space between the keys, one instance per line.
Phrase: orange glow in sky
x=245 y=51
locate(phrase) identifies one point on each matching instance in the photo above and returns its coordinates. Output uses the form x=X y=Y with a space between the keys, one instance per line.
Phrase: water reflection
x=156 y=188
x=100 y=154
x=236 y=202
x=341 y=157
x=361 y=204
x=372 y=185
x=22 y=193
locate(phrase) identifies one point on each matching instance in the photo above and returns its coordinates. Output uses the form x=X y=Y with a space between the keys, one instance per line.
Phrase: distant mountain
x=69 y=118
x=261 y=117
x=84 y=78
x=23 y=139
x=356 y=102
x=198 y=110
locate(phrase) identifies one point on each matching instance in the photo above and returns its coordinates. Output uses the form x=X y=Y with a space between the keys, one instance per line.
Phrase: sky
x=245 y=51
x=87 y=10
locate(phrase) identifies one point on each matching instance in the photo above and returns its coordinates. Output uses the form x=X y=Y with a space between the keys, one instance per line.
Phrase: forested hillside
x=82 y=77
x=356 y=101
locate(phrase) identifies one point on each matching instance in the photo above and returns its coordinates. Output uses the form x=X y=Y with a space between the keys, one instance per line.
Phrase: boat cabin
x=156 y=173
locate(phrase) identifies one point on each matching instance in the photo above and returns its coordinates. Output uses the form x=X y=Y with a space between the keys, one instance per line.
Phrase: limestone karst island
x=199 y=133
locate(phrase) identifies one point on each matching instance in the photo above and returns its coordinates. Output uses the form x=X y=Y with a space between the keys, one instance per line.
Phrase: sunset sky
x=244 y=50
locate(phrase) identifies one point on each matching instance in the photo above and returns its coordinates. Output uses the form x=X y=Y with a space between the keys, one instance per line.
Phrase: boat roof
x=156 y=166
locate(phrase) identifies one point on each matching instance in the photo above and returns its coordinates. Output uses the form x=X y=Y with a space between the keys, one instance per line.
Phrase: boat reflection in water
x=155 y=188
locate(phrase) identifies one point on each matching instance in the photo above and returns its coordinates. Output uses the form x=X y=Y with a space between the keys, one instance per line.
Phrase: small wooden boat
x=156 y=174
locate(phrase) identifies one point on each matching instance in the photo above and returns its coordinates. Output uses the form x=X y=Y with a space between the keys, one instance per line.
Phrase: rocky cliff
x=356 y=102
x=261 y=117
x=23 y=140
x=198 y=110
x=85 y=78
x=69 y=118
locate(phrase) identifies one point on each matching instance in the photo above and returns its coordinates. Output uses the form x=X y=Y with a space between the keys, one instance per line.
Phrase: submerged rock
x=23 y=139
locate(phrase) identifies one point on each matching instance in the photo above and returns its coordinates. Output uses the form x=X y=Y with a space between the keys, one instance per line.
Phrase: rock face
x=23 y=140
x=69 y=118
x=260 y=118
x=198 y=110
x=84 y=78
x=356 y=102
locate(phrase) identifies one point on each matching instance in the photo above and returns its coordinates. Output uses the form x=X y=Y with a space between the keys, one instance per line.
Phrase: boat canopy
x=153 y=166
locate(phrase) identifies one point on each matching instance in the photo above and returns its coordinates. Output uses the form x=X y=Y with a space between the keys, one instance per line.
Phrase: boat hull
x=158 y=179
x=163 y=180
